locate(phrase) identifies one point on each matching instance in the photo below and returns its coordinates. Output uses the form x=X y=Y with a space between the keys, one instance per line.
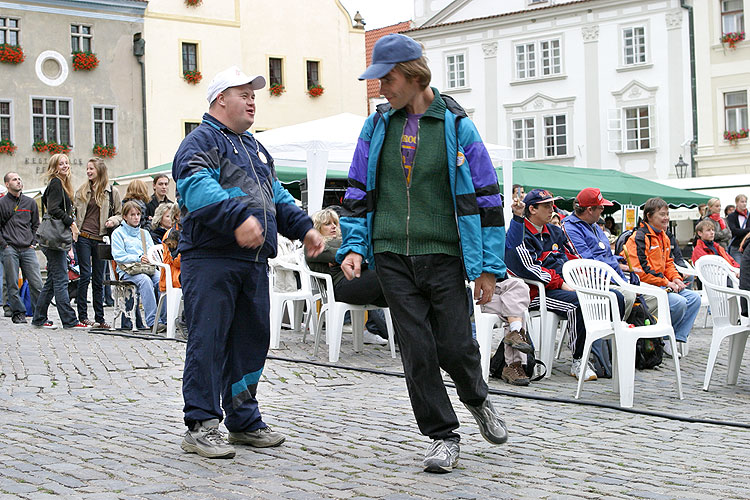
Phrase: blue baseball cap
x=536 y=196
x=388 y=51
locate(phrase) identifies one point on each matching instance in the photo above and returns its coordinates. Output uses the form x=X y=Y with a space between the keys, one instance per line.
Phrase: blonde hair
x=99 y=185
x=323 y=217
x=159 y=213
x=740 y=197
x=54 y=162
x=137 y=190
x=712 y=202
x=176 y=213
x=416 y=69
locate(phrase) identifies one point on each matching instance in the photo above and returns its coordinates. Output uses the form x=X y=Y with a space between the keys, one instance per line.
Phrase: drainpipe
x=139 y=49
x=691 y=27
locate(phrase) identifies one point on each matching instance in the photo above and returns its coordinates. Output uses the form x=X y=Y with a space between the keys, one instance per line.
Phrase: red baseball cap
x=592 y=197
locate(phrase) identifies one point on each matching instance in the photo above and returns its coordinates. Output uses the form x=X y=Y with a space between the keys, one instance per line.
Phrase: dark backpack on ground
x=601 y=358
x=530 y=367
x=649 y=353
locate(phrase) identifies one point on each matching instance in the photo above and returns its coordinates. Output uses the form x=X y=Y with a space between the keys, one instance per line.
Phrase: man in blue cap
x=432 y=219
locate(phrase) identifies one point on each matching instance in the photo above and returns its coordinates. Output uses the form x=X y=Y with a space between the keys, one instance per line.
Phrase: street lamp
x=681 y=168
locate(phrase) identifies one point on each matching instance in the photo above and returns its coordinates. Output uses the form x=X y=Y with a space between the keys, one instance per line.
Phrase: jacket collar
x=217 y=125
x=130 y=230
x=532 y=229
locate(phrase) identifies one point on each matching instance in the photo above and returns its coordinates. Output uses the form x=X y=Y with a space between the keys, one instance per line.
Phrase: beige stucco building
x=287 y=41
x=722 y=85
x=44 y=99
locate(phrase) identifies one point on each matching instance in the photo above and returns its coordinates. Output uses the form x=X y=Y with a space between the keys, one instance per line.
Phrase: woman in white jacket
x=128 y=247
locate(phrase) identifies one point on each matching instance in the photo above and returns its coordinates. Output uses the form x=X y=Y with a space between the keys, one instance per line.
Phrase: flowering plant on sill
x=733 y=38
x=734 y=135
x=193 y=3
x=51 y=147
x=192 y=77
x=104 y=151
x=84 y=61
x=11 y=54
x=315 y=91
x=7 y=147
x=276 y=89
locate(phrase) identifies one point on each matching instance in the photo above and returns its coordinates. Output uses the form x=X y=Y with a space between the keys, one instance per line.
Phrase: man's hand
x=679 y=284
x=314 y=243
x=145 y=260
x=517 y=206
x=249 y=234
x=352 y=265
x=109 y=223
x=484 y=287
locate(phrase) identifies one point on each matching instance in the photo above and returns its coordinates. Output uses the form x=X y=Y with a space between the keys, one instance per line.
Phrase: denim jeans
x=91 y=270
x=56 y=285
x=145 y=284
x=683 y=307
x=25 y=259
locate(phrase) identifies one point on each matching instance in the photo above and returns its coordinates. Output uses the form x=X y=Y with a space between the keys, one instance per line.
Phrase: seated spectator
x=138 y=192
x=537 y=250
x=171 y=255
x=705 y=245
x=739 y=226
x=609 y=224
x=362 y=290
x=555 y=220
x=589 y=241
x=129 y=246
x=161 y=222
x=648 y=253
x=722 y=232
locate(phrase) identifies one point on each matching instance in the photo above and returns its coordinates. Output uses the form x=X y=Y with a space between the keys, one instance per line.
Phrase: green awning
x=615 y=185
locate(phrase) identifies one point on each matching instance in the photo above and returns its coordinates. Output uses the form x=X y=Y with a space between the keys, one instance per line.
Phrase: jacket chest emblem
x=262 y=157
x=460 y=159
x=554 y=247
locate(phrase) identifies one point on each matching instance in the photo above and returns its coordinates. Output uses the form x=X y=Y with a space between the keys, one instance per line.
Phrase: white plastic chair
x=715 y=272
x=295 y=301
x=548 y=322
x=591 y=280
x=122 y=292
x=689 y=270
x=334 y=312
x=172 y=296
x=485 y=324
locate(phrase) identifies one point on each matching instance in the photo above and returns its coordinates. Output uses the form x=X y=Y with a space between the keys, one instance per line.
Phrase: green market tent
x=616 y=186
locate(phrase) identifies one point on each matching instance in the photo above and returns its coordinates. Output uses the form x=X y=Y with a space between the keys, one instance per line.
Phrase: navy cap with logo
x=536 y=196
x=388 y=51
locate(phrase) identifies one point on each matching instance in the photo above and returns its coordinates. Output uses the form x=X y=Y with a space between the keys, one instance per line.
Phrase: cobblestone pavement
x=98 y=416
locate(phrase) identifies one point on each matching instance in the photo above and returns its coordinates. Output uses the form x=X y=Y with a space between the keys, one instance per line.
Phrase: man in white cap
x=232 y=207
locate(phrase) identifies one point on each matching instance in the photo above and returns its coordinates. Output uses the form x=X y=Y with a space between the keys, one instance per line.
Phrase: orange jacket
x=648 y=254
x=175 y=266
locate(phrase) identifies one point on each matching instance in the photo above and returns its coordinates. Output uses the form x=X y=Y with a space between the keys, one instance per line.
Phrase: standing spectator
x=161 y=187
x=161 y=222
x=728 y=210
x=232 y=206
x=722 y=232
x=138 y=192
x=745 y=270
x=738 y=224
x=434 y=179
x=57 y=200
x=98 y=211
x=19 y=219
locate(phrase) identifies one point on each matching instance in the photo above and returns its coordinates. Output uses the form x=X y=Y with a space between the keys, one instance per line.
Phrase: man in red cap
x=587 y=238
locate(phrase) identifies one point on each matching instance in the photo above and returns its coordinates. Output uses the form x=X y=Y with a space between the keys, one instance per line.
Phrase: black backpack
x=497 y=363
x=649 y=353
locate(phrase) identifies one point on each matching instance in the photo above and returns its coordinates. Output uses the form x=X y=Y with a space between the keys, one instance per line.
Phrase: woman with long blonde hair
x=57 y=200
x=98 y=210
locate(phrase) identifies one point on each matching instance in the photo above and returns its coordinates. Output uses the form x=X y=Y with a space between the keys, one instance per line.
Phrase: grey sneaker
x=442 y=456
x=259 y=438
x=207 y=441
x=491 y=426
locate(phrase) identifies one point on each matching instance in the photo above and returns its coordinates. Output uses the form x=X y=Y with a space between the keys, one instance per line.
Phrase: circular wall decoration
x=51 y=68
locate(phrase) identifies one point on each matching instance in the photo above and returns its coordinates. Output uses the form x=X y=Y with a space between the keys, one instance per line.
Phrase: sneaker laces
x=213 y=435
x=438 y=450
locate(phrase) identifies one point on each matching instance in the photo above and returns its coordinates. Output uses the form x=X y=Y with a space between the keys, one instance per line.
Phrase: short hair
x=322 y=217
x=129 y=206
x=652 y=206
x=160 y=176
x=577 y=208
x=740 y=197
x=728 y=208
x=6 y=179
x=416 y=69
x=705 y=224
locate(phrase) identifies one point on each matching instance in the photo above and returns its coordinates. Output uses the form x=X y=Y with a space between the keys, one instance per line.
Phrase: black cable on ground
x=497 y=392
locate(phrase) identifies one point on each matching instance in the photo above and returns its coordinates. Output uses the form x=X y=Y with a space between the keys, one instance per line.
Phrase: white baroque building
x=589 y=83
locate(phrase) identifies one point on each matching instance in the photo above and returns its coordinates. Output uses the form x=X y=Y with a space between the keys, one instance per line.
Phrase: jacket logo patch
x=654 y=247
x=554 y=246
x=262 y=157
x=460 y=159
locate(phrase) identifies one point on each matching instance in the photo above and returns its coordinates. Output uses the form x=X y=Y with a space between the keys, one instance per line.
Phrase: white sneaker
x=371 y=338
x=575 y=369
x=668 y=349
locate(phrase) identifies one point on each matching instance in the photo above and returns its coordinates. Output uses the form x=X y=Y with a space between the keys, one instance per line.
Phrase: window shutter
x=614 y=130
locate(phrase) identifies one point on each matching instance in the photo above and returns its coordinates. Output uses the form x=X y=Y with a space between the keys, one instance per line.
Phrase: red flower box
x=192 y=77
x=7 y=147
x=315 y=91
x=50 y=147
x=276 y=89
x=735 y=135
x=101 y=151
x=11 y=54
x=733 y=38
x=193 y=3
x=84 y=61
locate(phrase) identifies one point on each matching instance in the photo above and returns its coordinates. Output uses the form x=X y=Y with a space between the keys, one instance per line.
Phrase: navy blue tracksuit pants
x=227 y=315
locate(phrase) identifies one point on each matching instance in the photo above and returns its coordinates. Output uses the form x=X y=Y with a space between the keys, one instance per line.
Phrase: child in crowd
x=705 y=245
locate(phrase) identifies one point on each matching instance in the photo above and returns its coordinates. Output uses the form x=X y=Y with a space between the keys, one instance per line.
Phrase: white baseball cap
x=232 y=77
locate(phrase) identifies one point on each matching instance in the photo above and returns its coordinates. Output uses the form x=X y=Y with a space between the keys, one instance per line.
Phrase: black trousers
x=427 y=298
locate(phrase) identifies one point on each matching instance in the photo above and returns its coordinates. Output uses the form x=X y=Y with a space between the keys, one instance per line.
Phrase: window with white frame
x=5 y=116
x=634 y=45
x=80 y=38
x=732 y=16
x=735 y=110
x=51 y=120
x=104 y=125
x=538 y=59
x=455 y=65
x=524 y=146
x=555 y=135
x=632 y=129
x=9 y=30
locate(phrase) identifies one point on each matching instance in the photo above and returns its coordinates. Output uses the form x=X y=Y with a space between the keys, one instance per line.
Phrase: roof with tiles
x=372 y=36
